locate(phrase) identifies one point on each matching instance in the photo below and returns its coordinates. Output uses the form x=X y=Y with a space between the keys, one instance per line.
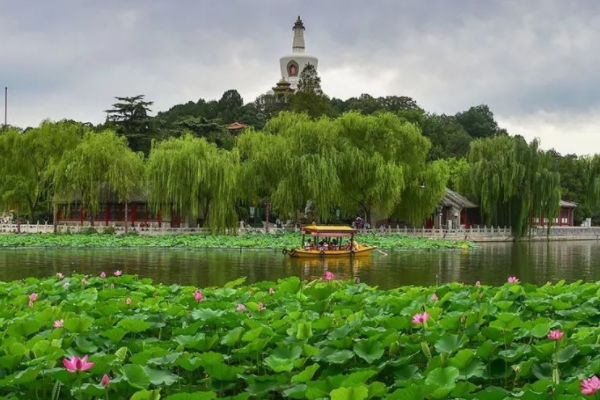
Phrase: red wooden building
x=112 y=212
x=565 y=216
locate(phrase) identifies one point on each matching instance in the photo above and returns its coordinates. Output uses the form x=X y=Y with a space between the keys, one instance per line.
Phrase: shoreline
x=239 y=243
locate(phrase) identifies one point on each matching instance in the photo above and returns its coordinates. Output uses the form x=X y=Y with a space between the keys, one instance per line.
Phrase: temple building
x=282 y=88
x=293 y=64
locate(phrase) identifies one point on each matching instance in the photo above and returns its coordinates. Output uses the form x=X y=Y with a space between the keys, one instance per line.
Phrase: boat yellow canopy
x=327 y=248
x=329 y=231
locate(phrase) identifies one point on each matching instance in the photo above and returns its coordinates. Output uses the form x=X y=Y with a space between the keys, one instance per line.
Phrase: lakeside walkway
x=474 y=234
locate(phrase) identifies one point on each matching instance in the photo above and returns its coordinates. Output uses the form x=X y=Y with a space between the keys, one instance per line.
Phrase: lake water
x=489 y=263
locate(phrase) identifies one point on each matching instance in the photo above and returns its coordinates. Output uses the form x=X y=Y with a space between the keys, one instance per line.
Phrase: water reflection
x=489 y=263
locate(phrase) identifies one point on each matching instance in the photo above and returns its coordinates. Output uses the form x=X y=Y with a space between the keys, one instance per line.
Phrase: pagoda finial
x=299 y=24
x=298 y=43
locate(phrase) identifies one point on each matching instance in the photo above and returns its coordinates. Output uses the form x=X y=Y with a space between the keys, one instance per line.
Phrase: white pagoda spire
x=298 y=44
x=294 y=63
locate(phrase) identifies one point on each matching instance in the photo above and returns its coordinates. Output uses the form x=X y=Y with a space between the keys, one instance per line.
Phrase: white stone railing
x=476 y=233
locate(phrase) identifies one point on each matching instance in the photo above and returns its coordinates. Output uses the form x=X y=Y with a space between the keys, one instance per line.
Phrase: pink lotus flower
x=58 y=323
x=513 y=279
x=271 y=290
x=105 y=380
x=128 y=301
x=590 y=386
x=261 y=306
x=241 y=307
x=477 y=283
x=59 y=275
x=198 y=296
x=76 y=364
x=102 y=274
x=420 y=318
x=555 y=335
x=329 y=276
x=118 y=273
x=434 y=297
x=32 y=298
x=84 y=281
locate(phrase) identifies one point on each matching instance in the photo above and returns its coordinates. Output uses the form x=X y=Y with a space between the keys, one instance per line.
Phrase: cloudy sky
x=535 y=63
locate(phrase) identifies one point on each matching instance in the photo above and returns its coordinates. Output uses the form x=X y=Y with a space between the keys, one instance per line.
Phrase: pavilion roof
x=235 y=126
x=567 y=204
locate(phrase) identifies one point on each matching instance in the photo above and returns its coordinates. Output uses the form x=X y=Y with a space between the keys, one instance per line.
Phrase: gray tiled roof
x=451 y=198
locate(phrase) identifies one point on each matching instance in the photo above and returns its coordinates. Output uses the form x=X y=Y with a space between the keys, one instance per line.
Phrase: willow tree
x=293 y=161
x=29 y=161
x=192 y=176
x=383 y=167
x=423 y=193
x=512 y=181
x=101 y=161
x=592 y=175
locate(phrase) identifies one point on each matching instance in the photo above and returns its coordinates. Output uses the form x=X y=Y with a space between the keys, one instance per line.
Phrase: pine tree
x=130 y=118
x=310 y=82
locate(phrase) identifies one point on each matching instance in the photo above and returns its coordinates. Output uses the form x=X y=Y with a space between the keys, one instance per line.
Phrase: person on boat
x=323 y=245
x=352 y=245
x=334 y=245
x=309 y=245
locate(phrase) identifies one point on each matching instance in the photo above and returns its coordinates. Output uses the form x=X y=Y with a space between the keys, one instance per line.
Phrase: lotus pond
x=319 y=339
x=248 y=240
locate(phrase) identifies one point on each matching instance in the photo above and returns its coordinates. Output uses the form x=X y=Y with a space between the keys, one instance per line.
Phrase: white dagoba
x=293 y=64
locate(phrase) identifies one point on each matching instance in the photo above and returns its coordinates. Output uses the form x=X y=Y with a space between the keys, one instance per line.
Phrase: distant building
x=236 y=127
x=293 y=64
x=455 y=211
x=565 y=216
x=283 y=88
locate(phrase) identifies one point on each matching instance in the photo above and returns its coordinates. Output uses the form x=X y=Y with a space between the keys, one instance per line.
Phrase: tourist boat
x=330 y=235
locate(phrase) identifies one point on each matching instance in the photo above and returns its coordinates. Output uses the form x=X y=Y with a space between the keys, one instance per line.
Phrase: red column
x=146 y=216
x=133 y=214
x=81 y=215
x=571 y=212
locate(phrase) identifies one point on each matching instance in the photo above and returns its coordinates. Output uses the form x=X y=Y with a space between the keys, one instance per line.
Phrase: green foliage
x=248 y=240
x=101 y=164
x=196 y=178
x=129 y=116
x=447 y=135
x=29 y=162
x=357 y=163
x=513 y=182
x=363 y=344
x=309 y=81
x=479 y=122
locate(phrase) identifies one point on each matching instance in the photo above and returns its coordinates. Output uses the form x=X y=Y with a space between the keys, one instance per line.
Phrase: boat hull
x=301 y=253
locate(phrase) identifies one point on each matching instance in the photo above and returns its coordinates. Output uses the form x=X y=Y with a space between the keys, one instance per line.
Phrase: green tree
x=130 y=118
x=195 y=178
x=309 y=97
x=101 y=161
x=448 y=137
x=291 y=162
x=513 y=181
x=29 y=161
x=592 y=176
x=309 y=81
x=230 y=106
x=360 y=163
x=479 y=122
x=269 y=105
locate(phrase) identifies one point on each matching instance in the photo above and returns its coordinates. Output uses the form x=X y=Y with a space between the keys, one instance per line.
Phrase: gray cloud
x=534 y=63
